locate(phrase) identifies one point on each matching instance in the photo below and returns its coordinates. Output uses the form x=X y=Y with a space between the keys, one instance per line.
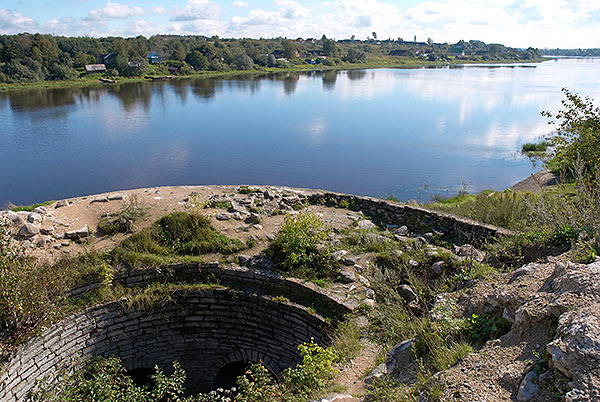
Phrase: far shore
x=91 y=81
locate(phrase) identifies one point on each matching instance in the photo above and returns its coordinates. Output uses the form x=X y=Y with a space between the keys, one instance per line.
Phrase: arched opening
x=226 y=377
x=141 y=376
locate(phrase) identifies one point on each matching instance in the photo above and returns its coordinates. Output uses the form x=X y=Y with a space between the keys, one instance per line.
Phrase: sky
x=518 y=23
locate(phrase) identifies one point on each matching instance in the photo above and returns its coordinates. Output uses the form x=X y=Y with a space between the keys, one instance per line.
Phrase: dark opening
x=226 y=377
x=141 y=376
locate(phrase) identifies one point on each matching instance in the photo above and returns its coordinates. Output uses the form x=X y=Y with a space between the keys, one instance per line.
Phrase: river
x=410 y=133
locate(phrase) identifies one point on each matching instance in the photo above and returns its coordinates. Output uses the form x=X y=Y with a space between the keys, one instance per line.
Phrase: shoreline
x=92 y=82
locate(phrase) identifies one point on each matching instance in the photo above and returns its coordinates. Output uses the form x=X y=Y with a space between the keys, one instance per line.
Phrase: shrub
x=295 y=248
x=577 y=136
x=106 y=380
x=181 y=233
x=122 y=221
x=535 y=147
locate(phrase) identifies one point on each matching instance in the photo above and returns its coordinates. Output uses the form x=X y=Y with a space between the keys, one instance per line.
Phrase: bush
x=122 y=221
x=106 y=380
x=295 y=248
x=535 y=147
x=577 y=137
x=181 y=233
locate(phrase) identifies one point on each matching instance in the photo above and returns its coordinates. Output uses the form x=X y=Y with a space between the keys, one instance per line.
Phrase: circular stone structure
x=212 y=333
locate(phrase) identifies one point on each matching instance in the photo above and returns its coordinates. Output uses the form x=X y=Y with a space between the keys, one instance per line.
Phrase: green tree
x=330 y=48
x=242 y=61
x=178 y=52
x=197 y=60
x=289 y=49
x=355 y=56
x=577 y=136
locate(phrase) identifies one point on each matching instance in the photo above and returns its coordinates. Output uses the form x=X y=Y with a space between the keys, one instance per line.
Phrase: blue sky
x=521 y=23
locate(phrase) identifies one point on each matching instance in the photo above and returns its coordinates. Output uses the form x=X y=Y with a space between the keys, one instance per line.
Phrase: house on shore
x=95 y=68
x=154 y=58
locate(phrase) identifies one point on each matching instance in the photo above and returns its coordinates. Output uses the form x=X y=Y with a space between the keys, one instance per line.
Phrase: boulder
x=237 y=207
x=78 y=234
x=61 y=203
x=377 y=373
x=347 y=276
x=47 y=231
x=29 y=230
x=399 y=356
x=34 y=218
x=117 y=197
x=41 y=210
x=252 y=219
x=529 y=387
x=366 y=224
x=468 y=251
x=364 y=280
x=11 y=216
x=338 y=255
x=401 y=231
x=407 y=293
x=40 y=242
x=438 y=267
x=100 y=198
x=223 y=216
x=348 y=261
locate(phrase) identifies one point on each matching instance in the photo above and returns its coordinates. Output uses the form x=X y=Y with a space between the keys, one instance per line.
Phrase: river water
x=407 y=132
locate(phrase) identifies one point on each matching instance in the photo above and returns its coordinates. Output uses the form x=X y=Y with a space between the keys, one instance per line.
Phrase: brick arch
x=204 y=330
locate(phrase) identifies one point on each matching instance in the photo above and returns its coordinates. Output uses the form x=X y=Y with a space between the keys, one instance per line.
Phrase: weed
x=539 y=147
x=181 y=233
x=247 y=190
x=295 y=248
x=30 y=208
x=122 y=221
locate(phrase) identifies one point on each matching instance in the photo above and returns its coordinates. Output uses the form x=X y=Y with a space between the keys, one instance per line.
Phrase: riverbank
x=404 y=63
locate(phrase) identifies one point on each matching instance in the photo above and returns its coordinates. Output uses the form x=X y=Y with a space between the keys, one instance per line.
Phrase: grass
x=181 y=234
x=295 y=248
x=31 y=207
x=123 y=220
x=531 y=147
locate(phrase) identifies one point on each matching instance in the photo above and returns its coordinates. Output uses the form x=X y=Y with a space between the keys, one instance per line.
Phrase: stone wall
x=204 y=330
x=243 y=278
x=415 y=218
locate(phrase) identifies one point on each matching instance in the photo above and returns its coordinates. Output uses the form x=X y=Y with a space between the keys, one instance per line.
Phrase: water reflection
x=356 y=75
x=329 y=79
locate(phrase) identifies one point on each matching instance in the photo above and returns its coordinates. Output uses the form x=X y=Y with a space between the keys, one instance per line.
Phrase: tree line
x=37 y=57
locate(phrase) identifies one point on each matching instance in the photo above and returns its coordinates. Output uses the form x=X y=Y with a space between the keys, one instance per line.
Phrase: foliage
x=106 y=380
x=577 y=136
x=181 y=233
x=535 y=147
x=123 y=220
x=295 y=248
x=481 y=328
x=30 y=208
x=506 y=209
x=312 y=375
x=257 y=385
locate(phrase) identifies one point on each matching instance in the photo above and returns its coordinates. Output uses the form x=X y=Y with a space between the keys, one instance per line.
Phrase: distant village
x=36 y=57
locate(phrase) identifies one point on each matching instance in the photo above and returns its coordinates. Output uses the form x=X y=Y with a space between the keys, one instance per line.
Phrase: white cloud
x=197 y=10
x=115 y=10
x=158 y=10
x=239 y=4
x=70 y=26
x=15 y=22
